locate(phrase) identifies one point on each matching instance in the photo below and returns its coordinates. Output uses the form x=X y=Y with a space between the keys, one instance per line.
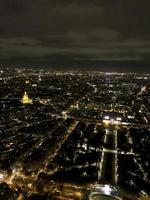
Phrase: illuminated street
x=108 y=166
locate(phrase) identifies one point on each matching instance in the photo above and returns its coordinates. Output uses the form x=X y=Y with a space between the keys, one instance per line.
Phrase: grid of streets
x=64 y=133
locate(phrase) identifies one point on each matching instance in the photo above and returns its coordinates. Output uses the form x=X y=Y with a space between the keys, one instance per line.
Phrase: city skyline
x=74 y=99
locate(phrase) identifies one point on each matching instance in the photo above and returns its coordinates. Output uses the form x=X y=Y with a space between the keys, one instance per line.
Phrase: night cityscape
x=74 y=135
x=74 y=100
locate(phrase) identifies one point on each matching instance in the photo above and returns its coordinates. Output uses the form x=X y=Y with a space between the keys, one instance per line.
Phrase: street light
x=1 y=177
x=106 y=117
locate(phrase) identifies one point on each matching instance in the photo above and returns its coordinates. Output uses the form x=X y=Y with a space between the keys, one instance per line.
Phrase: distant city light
x=130 y=117
x=119 y=119
x=14 y=170
x=106 y=117
x=1 y=177
x=106 y=122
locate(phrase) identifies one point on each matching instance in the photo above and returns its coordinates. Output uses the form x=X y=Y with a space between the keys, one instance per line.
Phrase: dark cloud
x=98 y=30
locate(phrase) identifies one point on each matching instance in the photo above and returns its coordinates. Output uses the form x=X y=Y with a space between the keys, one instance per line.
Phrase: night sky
x=106 y=34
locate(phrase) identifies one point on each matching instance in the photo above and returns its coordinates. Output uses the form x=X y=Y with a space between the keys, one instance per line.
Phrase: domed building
x=25 y=99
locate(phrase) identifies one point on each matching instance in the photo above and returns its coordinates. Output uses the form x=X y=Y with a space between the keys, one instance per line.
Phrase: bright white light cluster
x=106 y=117
x=106 y=189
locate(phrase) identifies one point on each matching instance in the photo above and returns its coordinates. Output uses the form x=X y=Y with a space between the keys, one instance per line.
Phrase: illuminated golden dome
x=25 y=99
